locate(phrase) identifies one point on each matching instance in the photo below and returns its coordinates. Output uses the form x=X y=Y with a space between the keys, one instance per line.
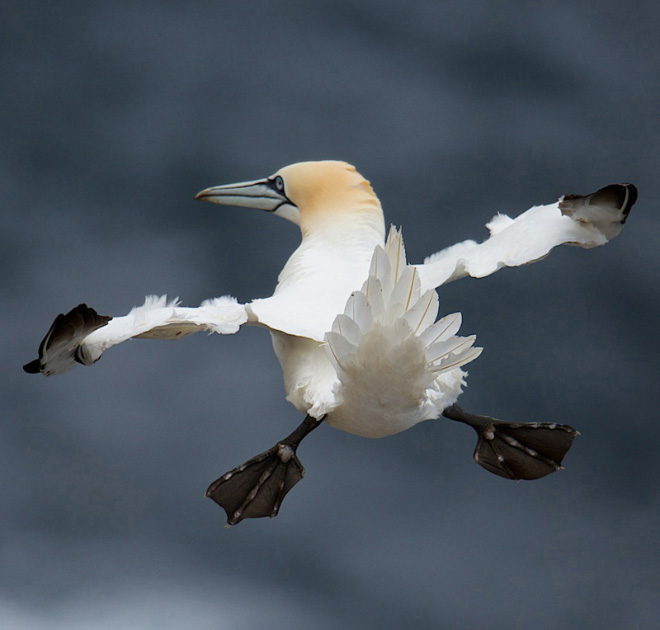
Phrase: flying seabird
x=354 y=325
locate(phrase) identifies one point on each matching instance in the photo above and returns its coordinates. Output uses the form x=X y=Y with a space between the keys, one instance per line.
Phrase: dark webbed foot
x=517 y=450
x=258 y=487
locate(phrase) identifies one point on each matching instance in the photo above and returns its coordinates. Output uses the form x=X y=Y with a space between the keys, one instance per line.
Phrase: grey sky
x=115 y=115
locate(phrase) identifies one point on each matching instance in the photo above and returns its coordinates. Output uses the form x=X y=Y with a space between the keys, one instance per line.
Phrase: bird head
x=317 y=196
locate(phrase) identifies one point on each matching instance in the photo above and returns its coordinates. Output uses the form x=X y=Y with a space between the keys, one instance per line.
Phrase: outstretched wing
x=82 y=335
x=586 y=221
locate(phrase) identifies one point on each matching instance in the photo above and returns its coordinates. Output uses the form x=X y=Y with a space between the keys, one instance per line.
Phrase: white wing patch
x=159 y=318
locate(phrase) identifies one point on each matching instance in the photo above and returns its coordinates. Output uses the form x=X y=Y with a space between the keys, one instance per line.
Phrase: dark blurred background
x=113 y=115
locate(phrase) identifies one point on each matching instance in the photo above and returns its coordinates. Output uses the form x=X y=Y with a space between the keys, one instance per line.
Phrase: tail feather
x=347 y=328
x=424 y=312
x=405 y=294
x=381 y=269
x=396 y=252
x=456 y=361
x=388 y=339
x=442 y=349
x=444 y=328
x=358 y=309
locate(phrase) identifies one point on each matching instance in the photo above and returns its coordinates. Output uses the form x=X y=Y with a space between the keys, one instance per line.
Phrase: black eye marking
x=276 y=184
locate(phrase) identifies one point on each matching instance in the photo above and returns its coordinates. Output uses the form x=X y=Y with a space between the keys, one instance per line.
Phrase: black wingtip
x=630 y=202
x=33 y=367
x=59 y=349
x=618 y=197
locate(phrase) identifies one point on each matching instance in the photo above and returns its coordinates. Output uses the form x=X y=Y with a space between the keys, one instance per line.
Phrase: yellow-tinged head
x=318 y=196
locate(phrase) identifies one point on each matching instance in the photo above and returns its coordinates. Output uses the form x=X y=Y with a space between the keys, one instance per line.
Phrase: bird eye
x=279 y=184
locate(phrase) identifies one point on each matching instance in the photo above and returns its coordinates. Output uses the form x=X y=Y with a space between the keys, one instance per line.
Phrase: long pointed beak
x=261 y=194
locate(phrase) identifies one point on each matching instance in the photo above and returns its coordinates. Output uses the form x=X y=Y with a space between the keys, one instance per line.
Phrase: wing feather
x=81 y=335
x=582 y=220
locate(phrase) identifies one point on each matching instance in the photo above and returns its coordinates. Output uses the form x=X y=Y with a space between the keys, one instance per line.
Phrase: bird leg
x=258 y=487
x=516 y=450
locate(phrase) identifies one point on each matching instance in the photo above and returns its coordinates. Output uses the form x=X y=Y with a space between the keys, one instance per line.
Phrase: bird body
x=380 y=369
x=353 y=324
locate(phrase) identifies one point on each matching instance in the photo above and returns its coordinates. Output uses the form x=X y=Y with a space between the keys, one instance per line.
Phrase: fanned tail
x=387 y=346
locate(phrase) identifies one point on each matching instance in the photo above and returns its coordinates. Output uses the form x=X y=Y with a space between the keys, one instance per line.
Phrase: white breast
x=315 y=283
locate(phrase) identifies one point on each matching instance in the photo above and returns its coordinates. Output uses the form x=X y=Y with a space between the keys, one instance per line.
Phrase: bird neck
x=339 y=252
x=347 y=207
x=357 y=222
x=365 y=232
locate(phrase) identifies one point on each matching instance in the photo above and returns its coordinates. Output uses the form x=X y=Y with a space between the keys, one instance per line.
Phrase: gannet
x=354 y=325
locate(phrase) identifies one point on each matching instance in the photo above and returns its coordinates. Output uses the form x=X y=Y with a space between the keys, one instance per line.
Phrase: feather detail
x=583 y=220
x=396 y=365
x=358 y=309
x=159 y=318
x=442 y=349
x=423 y=313
x=442 y=329
x=348 y=328
x=341 y=349
x=457 y=360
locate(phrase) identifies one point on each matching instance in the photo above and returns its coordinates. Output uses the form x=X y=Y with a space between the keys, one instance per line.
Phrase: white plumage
x=353 y=324
x=386 y=370
x=395 y=366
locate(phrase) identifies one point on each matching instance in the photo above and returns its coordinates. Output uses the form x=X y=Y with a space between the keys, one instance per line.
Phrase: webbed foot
x=517 y=450
x=258 y=487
